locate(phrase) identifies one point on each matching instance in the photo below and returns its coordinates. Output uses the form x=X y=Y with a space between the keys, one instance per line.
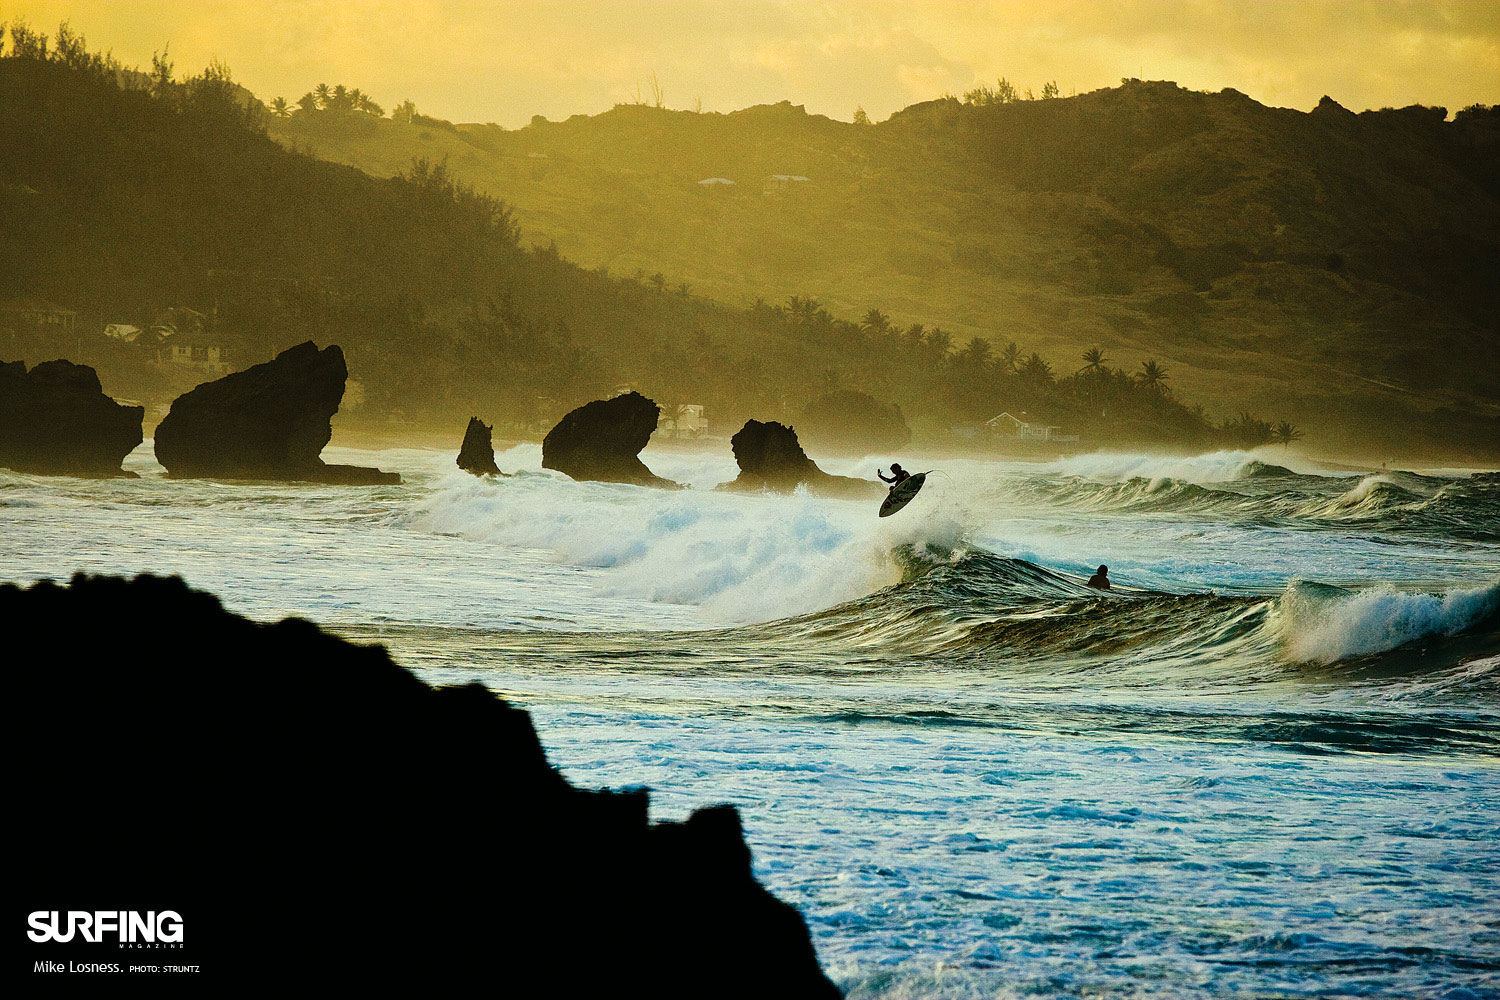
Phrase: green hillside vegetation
x=1336 y=268
x=123 y=194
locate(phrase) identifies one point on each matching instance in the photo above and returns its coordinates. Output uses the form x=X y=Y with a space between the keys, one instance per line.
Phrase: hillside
x=144 y=201
x=1339 y=269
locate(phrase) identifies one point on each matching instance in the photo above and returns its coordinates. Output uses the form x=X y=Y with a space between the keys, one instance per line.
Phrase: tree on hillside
x=161 y=72
x=1152 y=376
x=939 y=342
x=307 y=102
x=914 y=336
x=1093 y=360
x=875 y=323
x=26 y=43
x=404 y=112
x=1285 y=434
x=339 y=100
x=976 y=354
x=860 y=118
x=366 y=104
x=280 y=108
x=1035 y=371
x=1010 y=357
x=1049 y=90
x=324 y=94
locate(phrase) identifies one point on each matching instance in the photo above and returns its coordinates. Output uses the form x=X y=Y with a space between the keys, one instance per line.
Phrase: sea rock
x=601 y=442
x=477 y=455
x=266 y=422
x=56 y=420
x=288 y=793
x=770 y=458
x=855 y=422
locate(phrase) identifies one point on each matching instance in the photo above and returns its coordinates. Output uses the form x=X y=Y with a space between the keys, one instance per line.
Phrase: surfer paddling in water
x=897 y=477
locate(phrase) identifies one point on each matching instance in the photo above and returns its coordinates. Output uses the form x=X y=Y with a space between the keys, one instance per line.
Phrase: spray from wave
x=740 y=558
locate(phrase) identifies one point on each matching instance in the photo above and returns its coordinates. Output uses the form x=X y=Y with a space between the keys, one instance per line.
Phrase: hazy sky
x=506 y=60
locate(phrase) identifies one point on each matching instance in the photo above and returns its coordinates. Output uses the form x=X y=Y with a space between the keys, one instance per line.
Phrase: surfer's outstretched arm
x=883 y=479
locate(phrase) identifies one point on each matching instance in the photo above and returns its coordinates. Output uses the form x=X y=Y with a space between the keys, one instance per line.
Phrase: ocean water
x=1264 y=766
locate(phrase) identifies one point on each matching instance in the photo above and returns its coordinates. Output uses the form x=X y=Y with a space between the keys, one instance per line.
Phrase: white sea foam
x=1323 y=628
x=1214 y=467
x=741 y=558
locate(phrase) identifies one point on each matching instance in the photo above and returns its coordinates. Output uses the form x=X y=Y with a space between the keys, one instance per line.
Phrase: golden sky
x=506 y=60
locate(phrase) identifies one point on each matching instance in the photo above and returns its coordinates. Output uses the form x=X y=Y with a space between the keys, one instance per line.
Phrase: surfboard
x=901 y=494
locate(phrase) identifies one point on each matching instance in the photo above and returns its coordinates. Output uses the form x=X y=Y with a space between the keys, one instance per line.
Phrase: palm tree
x=1093 y=360
x=875 y=323
x=1285 y=434
x=1035 y=370
x=976 y=353
x=939 y=342
x=1010 y=357
x=340 y=99
x=323 y=95
x=1152 y=376
x=280 y=108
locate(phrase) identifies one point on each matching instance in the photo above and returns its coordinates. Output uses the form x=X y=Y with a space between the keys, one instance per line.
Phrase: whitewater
x=1263 y=766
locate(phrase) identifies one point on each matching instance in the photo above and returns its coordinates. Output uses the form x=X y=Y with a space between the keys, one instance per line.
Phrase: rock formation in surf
x=477 y=455
x=770 y=458
x=289 y=793
x=266 y=422
x=602 y=441
x=854 y=421
x=56 y=420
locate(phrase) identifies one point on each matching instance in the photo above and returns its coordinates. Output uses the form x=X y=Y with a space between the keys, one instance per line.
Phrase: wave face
x=803 y=577
x=1237 y=486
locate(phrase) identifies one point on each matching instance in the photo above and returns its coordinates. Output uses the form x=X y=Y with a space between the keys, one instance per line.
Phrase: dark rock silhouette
x=305 y=804
x=477 y=455
x=770 y=458
x=266 y=422
x=854 y=421
x=601 y=442
x=56 y=420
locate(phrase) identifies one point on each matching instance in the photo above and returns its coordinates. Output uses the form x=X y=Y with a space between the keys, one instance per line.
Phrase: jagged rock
x=1328 y=106
x=266 y=422
x=290 y=793
x=854 y=421
x=477 y=455
x=56 y=420
x=601 y=442
x=770 y=458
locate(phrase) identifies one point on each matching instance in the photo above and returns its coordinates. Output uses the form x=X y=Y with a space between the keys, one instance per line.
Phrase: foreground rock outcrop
x=477 y=454
x=770 y=458
x=309 y=808
x=56 y=420
x=271 y=421
x=602 y=441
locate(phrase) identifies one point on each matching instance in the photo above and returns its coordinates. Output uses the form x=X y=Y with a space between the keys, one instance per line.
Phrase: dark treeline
x=125 y=193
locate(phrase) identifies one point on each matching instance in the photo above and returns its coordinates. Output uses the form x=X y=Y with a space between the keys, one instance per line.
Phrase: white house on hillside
x=1009 y=425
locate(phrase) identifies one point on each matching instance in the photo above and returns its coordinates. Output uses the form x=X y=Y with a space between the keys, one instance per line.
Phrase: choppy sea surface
x=1265 y=765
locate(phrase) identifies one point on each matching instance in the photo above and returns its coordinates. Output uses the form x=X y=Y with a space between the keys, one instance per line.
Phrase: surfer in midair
x=897 y=477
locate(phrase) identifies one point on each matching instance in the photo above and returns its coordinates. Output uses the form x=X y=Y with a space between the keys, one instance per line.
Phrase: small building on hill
x=199 y=351
x=686 y=421
x=1011 y=426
